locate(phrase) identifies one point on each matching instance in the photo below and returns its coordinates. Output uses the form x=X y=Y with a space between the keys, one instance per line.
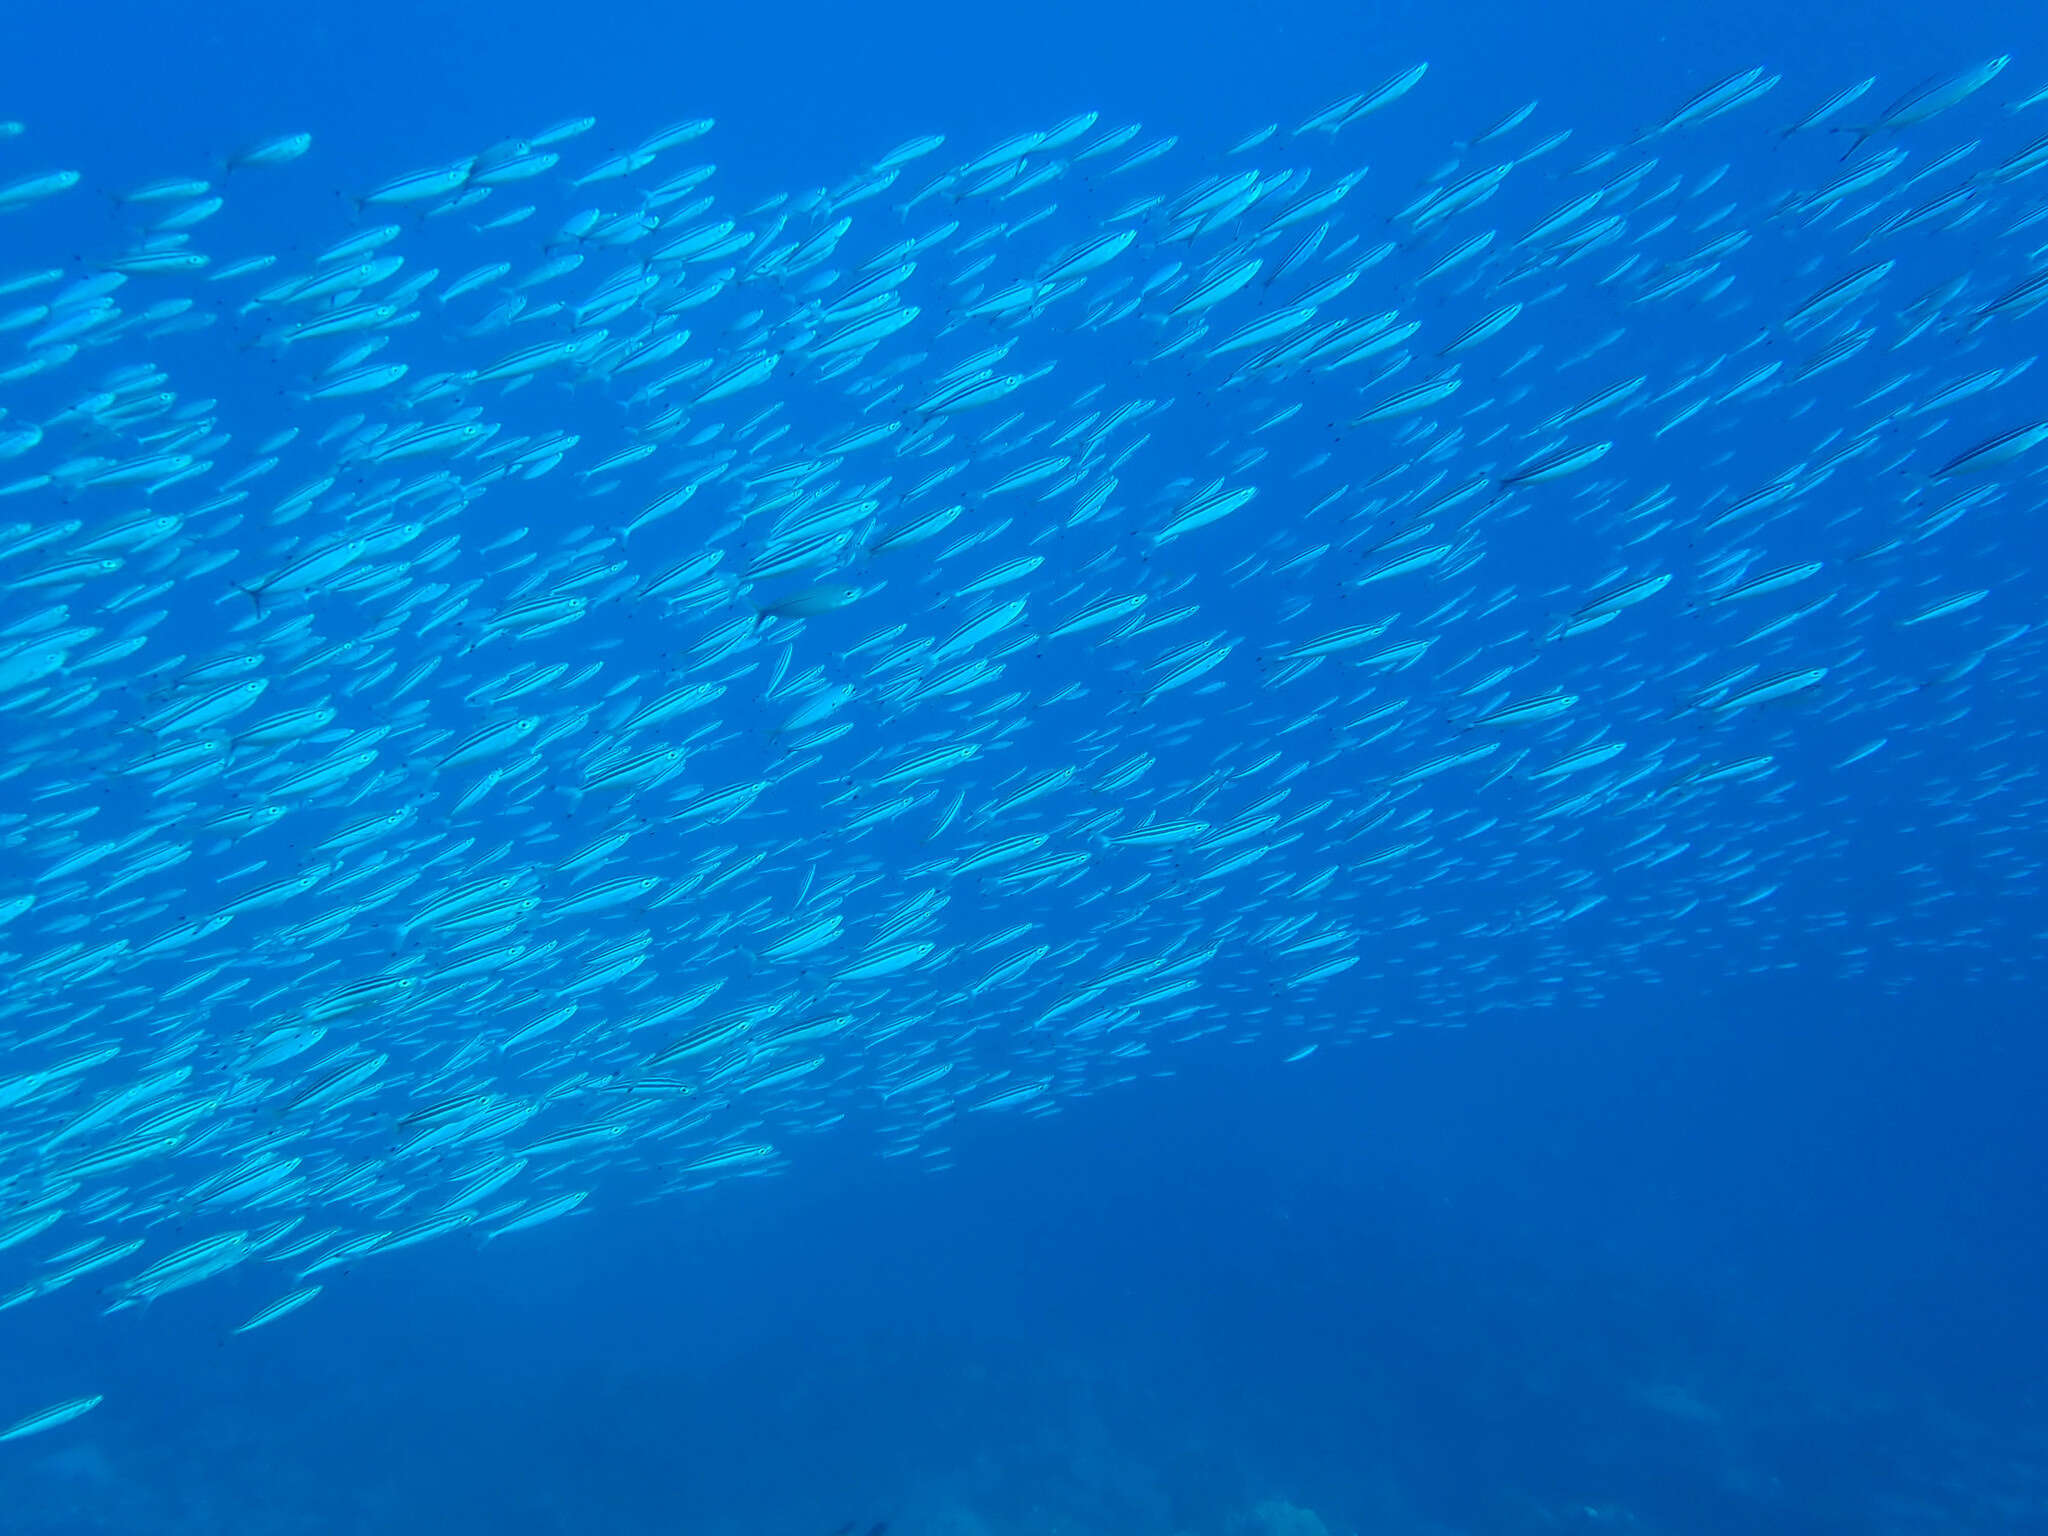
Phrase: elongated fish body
x=50 y=1418
x=1005 y=614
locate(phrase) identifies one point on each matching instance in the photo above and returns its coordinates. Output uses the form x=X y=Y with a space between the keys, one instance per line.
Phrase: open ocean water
x=1087 y=770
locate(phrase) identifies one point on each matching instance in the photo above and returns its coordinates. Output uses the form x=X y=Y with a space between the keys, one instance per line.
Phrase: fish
x=513 y=711
x=50 y=1418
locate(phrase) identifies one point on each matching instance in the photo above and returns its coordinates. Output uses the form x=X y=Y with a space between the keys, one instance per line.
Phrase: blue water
x=1424 y=1289
x=1737 y=1226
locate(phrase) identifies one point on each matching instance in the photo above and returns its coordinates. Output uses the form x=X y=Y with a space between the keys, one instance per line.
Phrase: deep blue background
x=1458 y=1256
x=812 y=85
x=1463 y=1253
